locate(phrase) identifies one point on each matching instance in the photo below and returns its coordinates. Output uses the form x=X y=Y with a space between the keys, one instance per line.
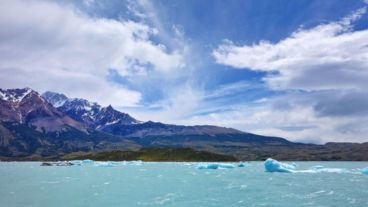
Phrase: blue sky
x=295 y=69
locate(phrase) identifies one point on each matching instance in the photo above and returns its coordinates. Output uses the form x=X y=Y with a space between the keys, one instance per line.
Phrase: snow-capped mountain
x=109 y=120
x=26 y=106
x=90 y=113
x=14 y=95
x=31 y=126
x=56 y=99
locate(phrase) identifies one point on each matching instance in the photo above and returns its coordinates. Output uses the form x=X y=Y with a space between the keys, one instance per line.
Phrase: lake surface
x=181 y=184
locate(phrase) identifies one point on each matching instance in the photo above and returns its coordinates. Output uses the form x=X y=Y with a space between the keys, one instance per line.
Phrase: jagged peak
x=53 y=94
x=55 y=99
x=82 y=104
x=108 y=108
x=60 y=100
x=16 y=95
x=79 y=108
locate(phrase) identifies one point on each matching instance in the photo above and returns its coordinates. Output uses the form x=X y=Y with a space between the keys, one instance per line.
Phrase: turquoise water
x=181 y=184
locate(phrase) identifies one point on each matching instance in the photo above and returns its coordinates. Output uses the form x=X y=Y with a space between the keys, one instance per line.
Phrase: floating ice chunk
x=324 y=170
x=365 y=171
x=104 y=164
x=133 y=162
x=87 y=161
x=136 y=162
x=81 y=162
x=207 y=166
x=272 y=165
x=242 y=164
x=76 y=162
x=215 y=166
x=317 y=167
x=59 y=163
x=64 y=163
x=333 y=170
x=227 y=166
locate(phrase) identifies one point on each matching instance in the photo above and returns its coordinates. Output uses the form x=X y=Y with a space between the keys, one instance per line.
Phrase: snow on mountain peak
x=15 y=95
x=55 y=99
x=88 y=112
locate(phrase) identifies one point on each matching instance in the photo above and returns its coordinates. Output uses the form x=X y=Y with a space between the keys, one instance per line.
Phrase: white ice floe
x=81 y=162
x=272 y=165
x=136 y=162
x=77 y=162
x=104 y=164
x=324 y=170
x=133 y=162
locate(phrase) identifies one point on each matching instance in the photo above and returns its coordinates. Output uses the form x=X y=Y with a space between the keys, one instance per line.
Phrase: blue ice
x=104 y=164
x=76 y=162
x=272 y=165
x=215 y=166
x=242 y=164
x=365 y=171
x=87 y=161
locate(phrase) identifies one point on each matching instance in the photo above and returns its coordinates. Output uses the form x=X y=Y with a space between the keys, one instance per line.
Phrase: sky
x=293 y=69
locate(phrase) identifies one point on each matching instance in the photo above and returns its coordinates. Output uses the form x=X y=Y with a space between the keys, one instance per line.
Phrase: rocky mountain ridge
x=53 y=125
x=26 y=106
x=108 y=119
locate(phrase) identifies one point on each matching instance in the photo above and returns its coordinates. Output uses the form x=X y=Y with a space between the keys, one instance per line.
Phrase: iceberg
x=227 y=166
x=59 y=163
x=207 y=166
x=104 y=164
x=76 y=162
x=81 y=162
x=136 y=162
x=242 y=164
x=215 y=166
x=365 y=171
x=87 y=161
x=272 y=165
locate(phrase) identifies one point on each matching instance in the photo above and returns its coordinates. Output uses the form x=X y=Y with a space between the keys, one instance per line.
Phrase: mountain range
x=51 y=125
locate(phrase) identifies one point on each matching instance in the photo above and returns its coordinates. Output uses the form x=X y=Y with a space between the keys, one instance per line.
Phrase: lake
x=181 y=184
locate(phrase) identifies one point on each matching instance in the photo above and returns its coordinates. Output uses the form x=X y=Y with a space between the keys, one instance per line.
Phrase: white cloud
x=179 y=104
x=48 y=46
x=328 y=56
x=328 y=62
